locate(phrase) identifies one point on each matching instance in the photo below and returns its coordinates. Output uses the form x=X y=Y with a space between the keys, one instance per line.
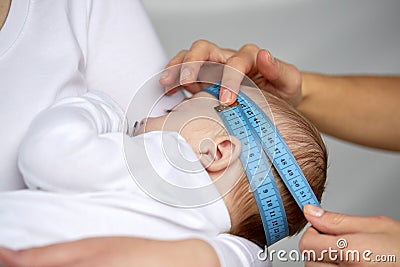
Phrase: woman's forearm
x=360 y=109
x=188 y=252
x=115 y=251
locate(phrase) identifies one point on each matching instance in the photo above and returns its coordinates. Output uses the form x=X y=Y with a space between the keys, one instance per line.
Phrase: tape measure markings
x=259 y=136
x=300 y=189
x=261 y=179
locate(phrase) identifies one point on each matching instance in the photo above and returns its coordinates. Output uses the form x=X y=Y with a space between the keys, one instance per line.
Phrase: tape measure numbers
x=261 y=139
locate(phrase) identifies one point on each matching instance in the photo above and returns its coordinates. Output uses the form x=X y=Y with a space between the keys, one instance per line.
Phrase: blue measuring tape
x=261 y=139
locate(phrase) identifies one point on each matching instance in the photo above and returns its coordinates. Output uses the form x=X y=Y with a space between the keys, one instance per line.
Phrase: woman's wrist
x=311 y=82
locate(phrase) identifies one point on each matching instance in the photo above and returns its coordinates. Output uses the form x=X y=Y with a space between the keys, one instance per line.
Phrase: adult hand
x=376 y=239
x=114 y=251
x=270 y=74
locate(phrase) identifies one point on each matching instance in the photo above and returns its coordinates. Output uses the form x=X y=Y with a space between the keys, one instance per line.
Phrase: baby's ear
x=218 y=154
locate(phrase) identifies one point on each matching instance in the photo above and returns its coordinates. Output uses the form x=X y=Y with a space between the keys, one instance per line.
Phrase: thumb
x=277 y=72
x=285 y=78
x=267 y=65
x=338 y=224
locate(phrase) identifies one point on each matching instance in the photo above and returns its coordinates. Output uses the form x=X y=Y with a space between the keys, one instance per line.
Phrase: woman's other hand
x=344 y=240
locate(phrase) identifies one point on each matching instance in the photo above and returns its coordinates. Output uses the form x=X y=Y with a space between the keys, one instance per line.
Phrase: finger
x=202 y=50
x=339 y=224
x=189 y=72
x=274 y=70
x=193 y=87
x=243 y=62
x=199 y=52
x=319 y=247
x=188 y=76
x=172 y=91
x=170 y=74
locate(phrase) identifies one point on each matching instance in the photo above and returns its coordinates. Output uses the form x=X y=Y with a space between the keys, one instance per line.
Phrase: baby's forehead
x=200 y=104
x=201 y=101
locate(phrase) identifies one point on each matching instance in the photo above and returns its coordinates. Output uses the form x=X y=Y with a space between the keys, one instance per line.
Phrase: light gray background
x=345 y=36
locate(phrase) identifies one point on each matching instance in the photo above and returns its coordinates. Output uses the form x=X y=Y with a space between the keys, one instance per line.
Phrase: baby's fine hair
x=307 y=146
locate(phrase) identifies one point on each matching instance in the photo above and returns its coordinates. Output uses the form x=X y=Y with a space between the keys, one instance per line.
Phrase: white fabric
x=86 y=127
x=95 y=195
x=109 y=204
x=244 y=252
x=61 y=48
x=51 y=49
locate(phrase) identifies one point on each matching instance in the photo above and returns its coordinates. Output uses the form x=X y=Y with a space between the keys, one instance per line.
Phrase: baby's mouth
x=138 y=127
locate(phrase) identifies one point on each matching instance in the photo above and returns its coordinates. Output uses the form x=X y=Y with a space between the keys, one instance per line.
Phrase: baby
x=64 y=202
x=221 y=156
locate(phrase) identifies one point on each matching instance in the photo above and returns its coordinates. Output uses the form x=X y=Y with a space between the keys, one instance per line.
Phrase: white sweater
x=80 y=186
x=96 y=196
x=52 y=49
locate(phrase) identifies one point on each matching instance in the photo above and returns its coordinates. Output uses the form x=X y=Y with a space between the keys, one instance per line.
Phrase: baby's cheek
x=152 y=124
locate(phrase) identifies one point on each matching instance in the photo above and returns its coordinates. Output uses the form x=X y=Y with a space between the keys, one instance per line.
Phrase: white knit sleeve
x=234 y=251
x=75 y=146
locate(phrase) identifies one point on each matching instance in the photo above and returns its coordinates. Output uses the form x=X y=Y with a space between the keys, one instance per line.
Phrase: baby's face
x=194 y=118
x=197 y=121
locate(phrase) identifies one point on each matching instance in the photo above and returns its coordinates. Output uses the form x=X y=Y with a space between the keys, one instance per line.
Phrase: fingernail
x=164 y=75
x=171 y=91
x=313 y=210
x=271 y=57
x=226 y=97
x=185 y=74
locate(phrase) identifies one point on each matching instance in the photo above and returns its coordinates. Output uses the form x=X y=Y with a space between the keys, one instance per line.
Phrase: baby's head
x=197 y=121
